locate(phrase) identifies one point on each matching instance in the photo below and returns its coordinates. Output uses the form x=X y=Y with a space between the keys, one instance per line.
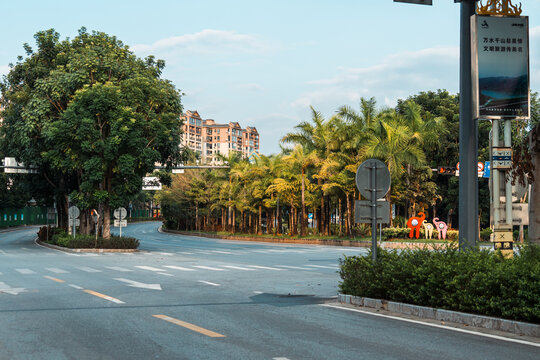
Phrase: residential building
x=209 y=138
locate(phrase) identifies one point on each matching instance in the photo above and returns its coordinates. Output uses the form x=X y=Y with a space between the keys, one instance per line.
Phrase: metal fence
x=30 y=215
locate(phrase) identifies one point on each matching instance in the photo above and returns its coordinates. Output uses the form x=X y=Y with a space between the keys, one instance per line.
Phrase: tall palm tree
x=301 y=159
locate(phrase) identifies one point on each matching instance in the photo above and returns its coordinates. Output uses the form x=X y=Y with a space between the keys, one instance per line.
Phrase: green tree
x=91 y=116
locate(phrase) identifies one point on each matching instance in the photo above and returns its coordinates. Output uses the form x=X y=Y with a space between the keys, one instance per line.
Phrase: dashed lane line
x=208 y=268
x=264 y=267
x=178 y=268
x=189 y=326
x=57 y=270
x=76 y=286
x=25 y=271
x=103 y=296
x=209 y=283
x=88 y=269
x=53 y=279
x=118 y=268
x=324 y=267
x=294 y=267
x=150 y=268
x=238 y=268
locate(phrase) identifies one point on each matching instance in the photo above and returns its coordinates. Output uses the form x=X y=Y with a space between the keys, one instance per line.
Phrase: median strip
x=106 y=297
x=189 y=326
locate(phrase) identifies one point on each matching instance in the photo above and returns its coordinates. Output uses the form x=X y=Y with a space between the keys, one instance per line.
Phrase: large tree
x=92 y=117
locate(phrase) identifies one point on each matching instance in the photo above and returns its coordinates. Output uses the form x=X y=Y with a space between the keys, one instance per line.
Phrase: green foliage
x=480 y=282
x=82 y=241
x=403 y=233
x=485 y=234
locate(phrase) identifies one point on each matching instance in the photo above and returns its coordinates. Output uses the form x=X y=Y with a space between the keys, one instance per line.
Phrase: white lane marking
x=238 y=268
x=137 y=284
x=162 y=273
x=208 y=268
x=88 y=269
x=435 y=325
x=264 y=267
x=178 y=268
x=165 y=253
x=204 y=252
x=57 y=270
x=150 y=268
x=294 y=267
x=221 y=252
x=5 y=288
x=209 y=283
x=25 y=271
x=185 y=253
x=258 y=292
x=76 y=286
x=280 y=358
x=118 y=268
x=2 y=252
x=324 y=267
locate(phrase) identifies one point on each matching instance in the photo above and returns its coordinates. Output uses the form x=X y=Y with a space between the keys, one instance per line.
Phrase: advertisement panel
x=500 y=60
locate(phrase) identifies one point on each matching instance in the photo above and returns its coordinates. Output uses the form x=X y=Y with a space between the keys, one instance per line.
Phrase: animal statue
x=414 y=223
x=441 y=228
x=428 y=229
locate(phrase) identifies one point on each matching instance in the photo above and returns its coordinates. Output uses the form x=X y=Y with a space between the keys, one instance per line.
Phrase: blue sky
x=263 y=63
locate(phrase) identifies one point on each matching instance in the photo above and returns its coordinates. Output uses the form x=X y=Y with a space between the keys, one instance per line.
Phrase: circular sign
x=382 y=178
x=73 y=212
x=120 y=213
x=480 y=166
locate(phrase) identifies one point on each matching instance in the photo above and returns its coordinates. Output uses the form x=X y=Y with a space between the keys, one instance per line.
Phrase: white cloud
x=534 y=32
x=207 y=41
x=4 y=69
x=250 y=87
x=396 y=76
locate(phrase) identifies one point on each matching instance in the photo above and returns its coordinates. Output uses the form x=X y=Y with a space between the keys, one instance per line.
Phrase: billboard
x=500 y=62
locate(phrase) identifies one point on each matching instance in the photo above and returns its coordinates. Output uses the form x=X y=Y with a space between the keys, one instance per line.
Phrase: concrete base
x=486 y=322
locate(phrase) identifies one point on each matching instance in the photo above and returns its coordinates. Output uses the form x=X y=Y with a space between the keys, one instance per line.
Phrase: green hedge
x=61 y=238
x=480 y=282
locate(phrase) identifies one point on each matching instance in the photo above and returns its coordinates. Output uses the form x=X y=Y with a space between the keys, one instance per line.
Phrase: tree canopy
x=91 y=116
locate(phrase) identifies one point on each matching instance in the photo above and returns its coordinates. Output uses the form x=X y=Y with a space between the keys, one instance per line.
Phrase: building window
x=199 y=122
x=192 y=121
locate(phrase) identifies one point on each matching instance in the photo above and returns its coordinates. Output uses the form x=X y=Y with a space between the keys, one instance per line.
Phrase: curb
x=60 y=248
x=347 y=243
x=424 y=312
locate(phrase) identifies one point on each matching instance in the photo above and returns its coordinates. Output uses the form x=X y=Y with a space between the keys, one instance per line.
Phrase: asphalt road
x=195 y=298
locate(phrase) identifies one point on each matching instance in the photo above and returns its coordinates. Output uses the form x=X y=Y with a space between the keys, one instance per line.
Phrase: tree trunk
x=223 y=219
x=259 y=227
x=303 y=219
x=233 y=220
x=534 y=201
x=106 y=220
x=348 y=215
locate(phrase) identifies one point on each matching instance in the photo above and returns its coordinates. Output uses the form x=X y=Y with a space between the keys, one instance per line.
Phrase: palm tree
x=301 y=159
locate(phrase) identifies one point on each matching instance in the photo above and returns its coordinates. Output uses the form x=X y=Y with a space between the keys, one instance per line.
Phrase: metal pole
x=508 y=143
x=468 y=137
x=496 y=178
x=373 y=211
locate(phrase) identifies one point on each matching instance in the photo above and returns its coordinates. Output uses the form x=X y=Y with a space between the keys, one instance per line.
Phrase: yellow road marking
x=106 y=297
x=53 y=279
x=189 y=326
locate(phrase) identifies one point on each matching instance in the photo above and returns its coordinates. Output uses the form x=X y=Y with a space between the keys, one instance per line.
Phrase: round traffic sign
x=120 y=213
x=73 y=212
x=382 y=178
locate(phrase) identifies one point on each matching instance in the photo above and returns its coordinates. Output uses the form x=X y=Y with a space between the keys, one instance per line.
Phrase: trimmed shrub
x=480 y=282
x=89 y=242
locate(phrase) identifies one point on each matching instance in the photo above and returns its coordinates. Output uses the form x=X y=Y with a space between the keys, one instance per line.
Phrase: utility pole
x=468 y=136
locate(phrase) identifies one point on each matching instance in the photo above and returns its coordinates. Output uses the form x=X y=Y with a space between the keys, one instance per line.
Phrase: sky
x=264 y=63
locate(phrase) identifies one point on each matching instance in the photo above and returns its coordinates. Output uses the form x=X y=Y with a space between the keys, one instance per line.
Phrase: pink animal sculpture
x=428 y=229
x=414 y=223
x=441 y=228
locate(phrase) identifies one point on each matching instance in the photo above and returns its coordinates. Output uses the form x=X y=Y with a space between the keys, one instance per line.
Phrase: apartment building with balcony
x=208 y=138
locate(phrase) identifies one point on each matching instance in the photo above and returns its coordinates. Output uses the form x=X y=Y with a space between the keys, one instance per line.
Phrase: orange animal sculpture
x=414 y=223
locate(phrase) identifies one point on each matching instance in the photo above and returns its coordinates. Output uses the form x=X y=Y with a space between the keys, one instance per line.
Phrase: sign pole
x=468 y=137
x=508 y=188
x=373 y=210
